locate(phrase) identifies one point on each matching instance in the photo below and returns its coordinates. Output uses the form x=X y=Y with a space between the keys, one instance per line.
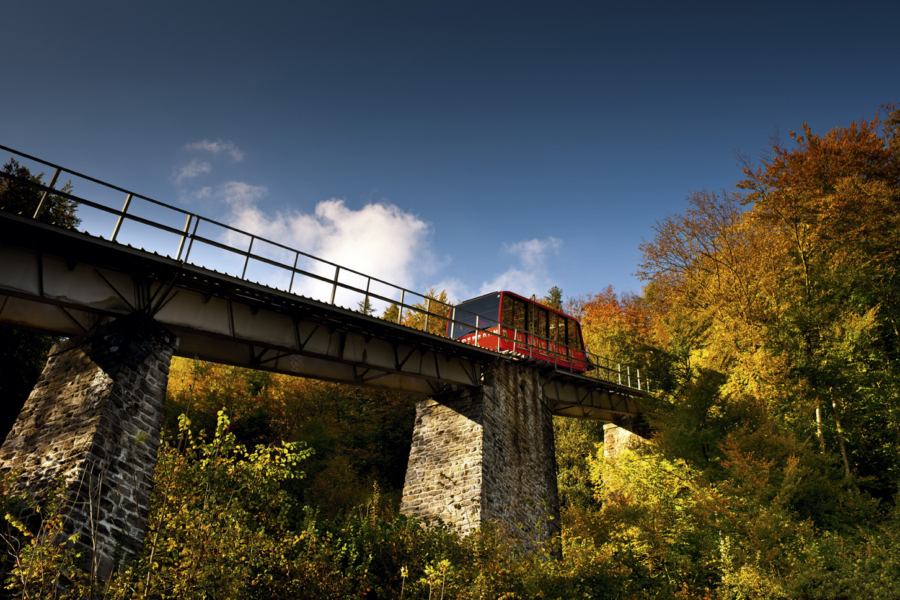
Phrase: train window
x=540 y=322
x=515 y=313
x=508 y=311
x=486 y=308
x=521 y=317
x=554 y=329
x=572 y=328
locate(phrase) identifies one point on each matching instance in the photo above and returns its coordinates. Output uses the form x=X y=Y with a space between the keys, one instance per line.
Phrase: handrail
x=538 y=344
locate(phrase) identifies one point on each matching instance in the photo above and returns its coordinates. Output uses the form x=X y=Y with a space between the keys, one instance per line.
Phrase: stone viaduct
x=483 y=441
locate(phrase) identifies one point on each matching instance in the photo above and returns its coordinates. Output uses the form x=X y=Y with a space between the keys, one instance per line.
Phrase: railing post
x=187 y=226
x=427 y=311
x=619 y=370
x=249 y=252
x=121 y=218
x=629 y=375
x=337 y=272
x=452 y=321
x=193 y=235
x=639 y=379
x=294 y=271
x=476 y=330
x=400 y=312
x=366 y=301
x=40 y=206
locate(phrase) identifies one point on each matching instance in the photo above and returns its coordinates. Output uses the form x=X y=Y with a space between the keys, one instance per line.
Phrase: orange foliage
x=609 y=318
x=843 y=185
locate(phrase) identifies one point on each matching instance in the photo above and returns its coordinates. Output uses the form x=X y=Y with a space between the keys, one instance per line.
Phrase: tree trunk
x=840 y=432
x=819 y=434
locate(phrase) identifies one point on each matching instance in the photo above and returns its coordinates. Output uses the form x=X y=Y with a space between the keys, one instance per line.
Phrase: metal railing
x=413 y=309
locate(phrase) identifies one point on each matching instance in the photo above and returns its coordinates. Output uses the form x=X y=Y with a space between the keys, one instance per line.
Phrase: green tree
x=365 y=307
x=361 y=436
x=23 y=199
x=391 y=313
x=220 y=523
x=575 y=442
x=553 y=299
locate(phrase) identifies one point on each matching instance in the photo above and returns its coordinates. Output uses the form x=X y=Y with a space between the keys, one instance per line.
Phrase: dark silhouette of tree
x=23 y=353
x=23 y=199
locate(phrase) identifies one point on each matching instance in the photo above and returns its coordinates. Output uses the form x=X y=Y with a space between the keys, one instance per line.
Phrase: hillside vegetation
x=770 y=326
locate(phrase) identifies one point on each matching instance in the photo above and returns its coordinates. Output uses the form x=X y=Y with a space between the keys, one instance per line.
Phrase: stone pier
x=93 y=422
x=616 y=439
x=486 y=454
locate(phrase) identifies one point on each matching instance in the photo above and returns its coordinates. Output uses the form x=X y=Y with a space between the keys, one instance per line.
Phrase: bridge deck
x=63 y=282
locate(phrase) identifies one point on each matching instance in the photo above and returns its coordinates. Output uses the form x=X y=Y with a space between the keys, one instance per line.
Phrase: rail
x=427 y=314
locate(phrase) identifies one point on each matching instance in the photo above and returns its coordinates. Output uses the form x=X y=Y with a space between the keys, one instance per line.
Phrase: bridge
x=483 y=423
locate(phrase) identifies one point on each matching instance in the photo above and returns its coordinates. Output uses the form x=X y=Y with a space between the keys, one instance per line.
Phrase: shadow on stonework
x=542 y=538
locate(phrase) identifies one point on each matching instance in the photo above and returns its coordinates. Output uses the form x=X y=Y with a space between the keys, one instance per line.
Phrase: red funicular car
x=506 y=321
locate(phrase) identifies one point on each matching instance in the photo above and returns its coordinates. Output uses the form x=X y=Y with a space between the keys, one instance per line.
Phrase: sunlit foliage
x=768 y=327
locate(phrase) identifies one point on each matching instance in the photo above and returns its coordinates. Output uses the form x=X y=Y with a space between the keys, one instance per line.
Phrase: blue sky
x=467 y=145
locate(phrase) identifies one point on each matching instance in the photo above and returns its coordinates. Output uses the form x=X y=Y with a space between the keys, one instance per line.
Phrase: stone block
x=91 y=424
x=486 y=454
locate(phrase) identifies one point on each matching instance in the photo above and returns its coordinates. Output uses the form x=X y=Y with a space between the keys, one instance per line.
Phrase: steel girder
x=62 y=282
x=569 y=395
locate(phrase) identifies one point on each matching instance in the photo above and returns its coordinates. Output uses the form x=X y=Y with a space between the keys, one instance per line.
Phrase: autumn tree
x=360 y=436
x=835 y=199
x=785 y=296
x=614 y=325
x=434 y=307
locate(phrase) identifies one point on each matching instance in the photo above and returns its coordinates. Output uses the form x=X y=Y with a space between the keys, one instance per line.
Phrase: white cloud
x=191 y=170
x=379 y=239
x=533 y=253
x=216 y=147
x=199 y=167
x=204 y=192
x=530 y=276
x=455 y=288
x=242 y=197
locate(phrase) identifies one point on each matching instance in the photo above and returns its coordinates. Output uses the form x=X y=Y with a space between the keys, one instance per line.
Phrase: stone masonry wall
x=486 y=454
x=616 y=439
x=444 y=476
x=93 y=420
x=519 y=467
